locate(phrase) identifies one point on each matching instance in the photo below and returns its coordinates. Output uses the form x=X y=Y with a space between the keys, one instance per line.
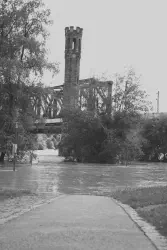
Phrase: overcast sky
x=116 y=34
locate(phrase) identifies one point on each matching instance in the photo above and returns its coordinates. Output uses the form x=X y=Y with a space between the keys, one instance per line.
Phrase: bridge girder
x=49 y=103
x=93 y=95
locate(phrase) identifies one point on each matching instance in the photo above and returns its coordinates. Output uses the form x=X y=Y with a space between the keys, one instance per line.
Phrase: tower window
x=68 y=46
x=79 y=44
x=74 y=44
x=67 y=43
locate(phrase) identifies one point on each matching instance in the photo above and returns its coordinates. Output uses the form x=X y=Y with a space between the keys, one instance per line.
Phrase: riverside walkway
x=74 y=222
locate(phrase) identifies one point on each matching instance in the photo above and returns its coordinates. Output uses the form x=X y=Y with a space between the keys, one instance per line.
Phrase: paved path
x=74 y=222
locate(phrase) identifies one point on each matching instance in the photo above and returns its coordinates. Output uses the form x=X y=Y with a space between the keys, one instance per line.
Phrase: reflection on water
x=40 y=179
x=51 y=176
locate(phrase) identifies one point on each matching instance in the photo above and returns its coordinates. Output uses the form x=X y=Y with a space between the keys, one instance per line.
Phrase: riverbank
x=150 y=203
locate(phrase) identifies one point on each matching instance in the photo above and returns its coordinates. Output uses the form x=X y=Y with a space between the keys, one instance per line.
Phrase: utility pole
x=157 y=102
x=15 y=147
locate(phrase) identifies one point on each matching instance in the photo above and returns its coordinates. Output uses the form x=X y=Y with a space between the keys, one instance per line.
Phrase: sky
x=117 y=34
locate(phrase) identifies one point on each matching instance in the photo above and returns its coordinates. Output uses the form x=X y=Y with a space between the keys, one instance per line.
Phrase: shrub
x=55 y=143
x=49 y=144
x=40 y=146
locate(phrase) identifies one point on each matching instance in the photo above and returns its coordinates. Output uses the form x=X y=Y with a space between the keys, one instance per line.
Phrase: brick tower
x=72 y=66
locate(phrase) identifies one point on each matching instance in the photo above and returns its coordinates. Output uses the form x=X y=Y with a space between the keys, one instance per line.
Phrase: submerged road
x=52 y=177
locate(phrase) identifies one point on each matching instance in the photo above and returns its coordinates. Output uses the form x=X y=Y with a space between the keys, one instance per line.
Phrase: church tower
x=72 y=66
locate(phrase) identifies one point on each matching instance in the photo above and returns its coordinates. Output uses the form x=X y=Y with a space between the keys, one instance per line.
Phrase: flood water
x=51 y=176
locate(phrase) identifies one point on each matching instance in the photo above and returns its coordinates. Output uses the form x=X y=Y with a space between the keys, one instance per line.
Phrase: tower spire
x=72 y=65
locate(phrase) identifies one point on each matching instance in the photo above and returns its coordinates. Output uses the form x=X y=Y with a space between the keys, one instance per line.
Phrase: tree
x=155 y=131
x=82 y=135
x=23 y=60
x=131 y=147
x=128 y=95
x=130 y=102
x=124 y=141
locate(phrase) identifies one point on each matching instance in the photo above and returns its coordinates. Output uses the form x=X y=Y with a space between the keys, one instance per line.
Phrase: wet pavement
x=75 y=222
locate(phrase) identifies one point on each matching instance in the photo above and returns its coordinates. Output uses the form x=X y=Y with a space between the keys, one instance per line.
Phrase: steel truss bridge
x=93 y=95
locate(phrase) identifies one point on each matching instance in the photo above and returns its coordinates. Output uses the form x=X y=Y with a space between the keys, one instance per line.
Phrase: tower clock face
x=73 y=55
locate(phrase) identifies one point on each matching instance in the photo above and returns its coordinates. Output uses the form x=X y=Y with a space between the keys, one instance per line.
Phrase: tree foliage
x=102 y=139
x=128 y=96
x=23 y=60
x=155 y=132
x=23 y=37
x=82 y=135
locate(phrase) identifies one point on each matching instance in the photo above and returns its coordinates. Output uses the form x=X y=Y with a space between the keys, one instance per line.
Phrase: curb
x=157 y=240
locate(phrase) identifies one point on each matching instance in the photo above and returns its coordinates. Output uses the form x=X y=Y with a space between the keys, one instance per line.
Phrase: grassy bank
x=150 y=203
x=13 y=193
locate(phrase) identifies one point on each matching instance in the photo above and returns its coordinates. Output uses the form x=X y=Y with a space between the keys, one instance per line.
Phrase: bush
x=40 y=146
x=50 y=144
x=55 y=143
x=100 y=138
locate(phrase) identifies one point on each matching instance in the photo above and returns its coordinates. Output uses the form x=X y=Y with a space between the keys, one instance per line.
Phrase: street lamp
x=15 y=147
